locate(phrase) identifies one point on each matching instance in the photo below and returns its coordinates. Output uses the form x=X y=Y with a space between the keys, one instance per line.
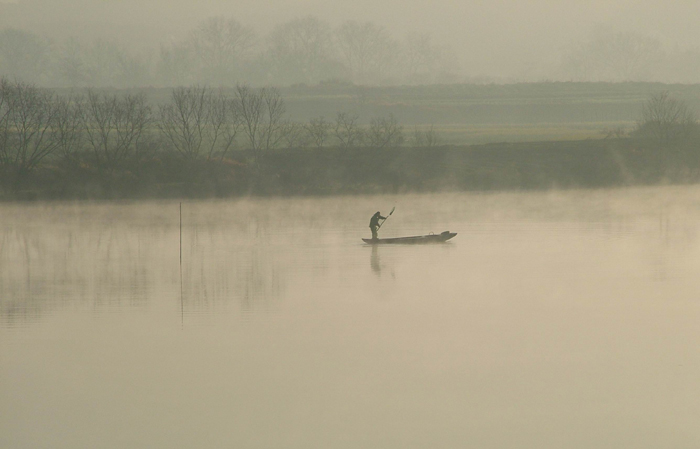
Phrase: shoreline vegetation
x=200 y=142
x=604 y=163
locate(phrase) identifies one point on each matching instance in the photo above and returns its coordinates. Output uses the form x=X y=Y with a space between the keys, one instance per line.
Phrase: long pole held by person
x=392 y=211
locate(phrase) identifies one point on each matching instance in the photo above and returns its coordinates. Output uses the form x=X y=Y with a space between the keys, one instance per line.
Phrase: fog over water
x=556 y=318
x=508 y=40
x=553 y=319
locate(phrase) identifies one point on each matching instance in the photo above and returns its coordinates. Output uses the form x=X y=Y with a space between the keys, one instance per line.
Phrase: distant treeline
x=205 y=142
x=221 y=51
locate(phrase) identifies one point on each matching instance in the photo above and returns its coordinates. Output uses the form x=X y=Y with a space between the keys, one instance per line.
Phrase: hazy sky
x=490 y=37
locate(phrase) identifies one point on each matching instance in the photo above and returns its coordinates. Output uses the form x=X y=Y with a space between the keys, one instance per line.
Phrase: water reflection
x=374 y=260
x=44 y=268
x=126 y=256
x=250 y=255
x=576 y=312
x=251 y=277
x=383 y=260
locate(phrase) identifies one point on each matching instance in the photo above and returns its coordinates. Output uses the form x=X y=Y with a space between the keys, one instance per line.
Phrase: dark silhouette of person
x=374 y=224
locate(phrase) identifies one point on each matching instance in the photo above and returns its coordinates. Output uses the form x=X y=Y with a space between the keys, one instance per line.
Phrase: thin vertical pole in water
x=180 y=239
x=182 y=304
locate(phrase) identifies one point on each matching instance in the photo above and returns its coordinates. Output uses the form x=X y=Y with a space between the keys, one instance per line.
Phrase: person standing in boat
x=374 y=224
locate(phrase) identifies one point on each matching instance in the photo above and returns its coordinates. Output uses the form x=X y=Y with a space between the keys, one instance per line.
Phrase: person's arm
x=382 y=218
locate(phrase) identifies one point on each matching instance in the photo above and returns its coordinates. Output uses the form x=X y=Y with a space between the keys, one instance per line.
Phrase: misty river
x=558 y=319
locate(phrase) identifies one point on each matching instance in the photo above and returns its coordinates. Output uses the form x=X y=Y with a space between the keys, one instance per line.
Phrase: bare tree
x=302 y=51
x=27 y=121
x=68 y=126
x=214 y=52
x=261 y=113
x=385 y=132
x=294 y=135
x=102 y=63
x=318 y=129
x=218 y=45
x=198 y=121
x=70 y=64
x=114 y=126
x=5 y=111
x=274 y=110
x=614 y=132
x=250 y=106
x=419 y=57
x=225 y=123
x=348 y=131
x=666 y=119
x=367 y=50
x=183 y=121
x=24 y=55
x=175 y=64
x=427 y=138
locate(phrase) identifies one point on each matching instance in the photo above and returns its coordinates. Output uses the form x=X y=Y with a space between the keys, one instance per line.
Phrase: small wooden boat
x=431 y=238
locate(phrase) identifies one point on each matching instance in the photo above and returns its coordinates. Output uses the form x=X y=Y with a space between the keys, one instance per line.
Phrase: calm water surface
x=553 y=320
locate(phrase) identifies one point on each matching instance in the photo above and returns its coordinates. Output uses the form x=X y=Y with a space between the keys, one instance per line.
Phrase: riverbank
x=502 y=166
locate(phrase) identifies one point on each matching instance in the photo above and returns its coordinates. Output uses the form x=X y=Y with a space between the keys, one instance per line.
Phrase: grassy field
x=469 y=114
x=457 y=134
x=476 y=114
